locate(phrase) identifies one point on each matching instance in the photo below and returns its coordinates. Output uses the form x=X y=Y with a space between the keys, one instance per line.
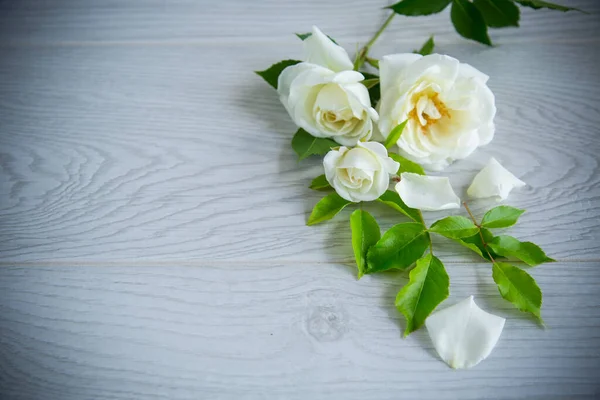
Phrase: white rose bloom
x=493 y=181
x=361 y=173
x=324 y=96
x=464 y=334
x=449 y=108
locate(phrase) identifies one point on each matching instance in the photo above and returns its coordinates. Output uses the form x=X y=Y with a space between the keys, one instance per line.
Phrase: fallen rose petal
x=493 y=181
x=464 y=334
x=429 y=193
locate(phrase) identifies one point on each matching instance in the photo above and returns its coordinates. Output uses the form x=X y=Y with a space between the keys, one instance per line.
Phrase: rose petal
x=468 y=71
x=429 y=193
x=361 y=159
x=493 y=181
x=392 y=66
x=464 y=334
x=319 y=49
x=287 y=76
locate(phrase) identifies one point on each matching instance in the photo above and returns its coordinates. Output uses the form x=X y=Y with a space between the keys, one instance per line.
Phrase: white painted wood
x=265 y=21
x=152 y=238
x=182 y=153
x=285 y=331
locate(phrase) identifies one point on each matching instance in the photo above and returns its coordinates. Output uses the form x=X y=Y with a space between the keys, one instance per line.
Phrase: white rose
x=449 y=108
x=361 y=173
x=324 y=96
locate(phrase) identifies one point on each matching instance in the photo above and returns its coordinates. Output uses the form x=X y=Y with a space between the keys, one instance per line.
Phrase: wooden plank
x=185 y=21
x=179 y=153
x=284 y=331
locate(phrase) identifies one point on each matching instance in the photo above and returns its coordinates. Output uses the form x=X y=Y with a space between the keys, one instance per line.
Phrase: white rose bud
x=324 y=96
x=449 y=108
x=361 y=173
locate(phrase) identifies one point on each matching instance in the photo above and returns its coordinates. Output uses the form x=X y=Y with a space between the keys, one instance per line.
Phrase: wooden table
x=152 y=213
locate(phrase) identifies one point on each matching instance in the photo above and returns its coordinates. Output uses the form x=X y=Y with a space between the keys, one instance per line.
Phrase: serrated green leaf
x=369 y=83
x=454 y=227
x=394 y=135
x=393 y=200
x=271 y=74
x=320 y=183
x=427 y=47
x=305 y=144
x=529 y=253
x=327 y=208
x=399 y=247
x=537 y=4
x=501 y=217
x=304 y=36
x=518 y=287
x=498 y=13
x=406 y=165
x=365 y=233
x=475 y=244
x=419 y=7
x=468 y=21
x=374 y=91
x=428 y=286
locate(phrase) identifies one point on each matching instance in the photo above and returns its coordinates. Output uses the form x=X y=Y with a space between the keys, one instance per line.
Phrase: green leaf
x=501 y=217
x=529 y=253
x=473 y=247
x=419 y=7
x=304 y=36
x=454 y=227
x=374 y=91
x=498 y=13
x=399 y=247
x=327 y=208
x=537 y=4
x=369 y=83
x=518 y=287
x=427 y=47
x=373 y=62
x=394 y=135
x=272 y=73
x=406 y=165
x=475 y=244
x=365 y=233
x=305 y=144
x=468 y=21
x=393 y=200
x=428 y=286
x=320 y=183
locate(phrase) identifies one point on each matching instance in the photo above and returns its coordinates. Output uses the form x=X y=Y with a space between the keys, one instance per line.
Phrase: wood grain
x=266 y=21
x=284 y=331
x=152 y=238
x=179 y=153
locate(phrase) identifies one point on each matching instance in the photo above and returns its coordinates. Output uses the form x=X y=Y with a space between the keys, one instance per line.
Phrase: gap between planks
x=213 y=263
x=261 y=42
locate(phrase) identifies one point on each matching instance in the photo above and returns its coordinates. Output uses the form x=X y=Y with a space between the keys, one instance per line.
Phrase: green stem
x=485 y=246
x=423 y=223
x=364 y=52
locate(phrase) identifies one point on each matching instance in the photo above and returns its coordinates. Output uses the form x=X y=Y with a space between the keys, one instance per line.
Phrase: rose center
x=337 y=120
x=428 y=110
